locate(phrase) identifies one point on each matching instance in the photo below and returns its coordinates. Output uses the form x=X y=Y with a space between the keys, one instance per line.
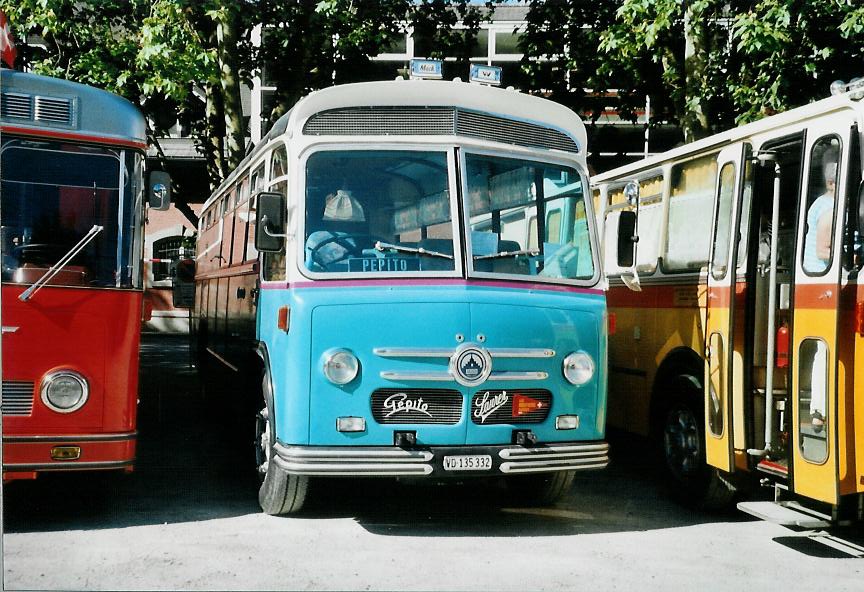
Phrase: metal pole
x=647 y=122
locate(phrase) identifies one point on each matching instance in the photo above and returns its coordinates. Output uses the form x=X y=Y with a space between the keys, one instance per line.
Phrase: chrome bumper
x=393 y=461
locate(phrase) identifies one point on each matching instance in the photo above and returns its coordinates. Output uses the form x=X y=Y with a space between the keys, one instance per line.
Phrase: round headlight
x=578 y=368
x=341 y=366
x=64 y=391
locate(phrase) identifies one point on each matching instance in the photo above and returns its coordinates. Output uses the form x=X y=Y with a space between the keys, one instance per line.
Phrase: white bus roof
x=423 y=95
x=787 y=119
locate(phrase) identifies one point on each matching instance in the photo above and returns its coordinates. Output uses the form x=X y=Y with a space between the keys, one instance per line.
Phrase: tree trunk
x=227 y=37
x=694 y=120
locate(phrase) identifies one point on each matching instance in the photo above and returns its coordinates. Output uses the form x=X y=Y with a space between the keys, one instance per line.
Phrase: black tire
x=682 y=449
x=280 y=492
x=539 y=489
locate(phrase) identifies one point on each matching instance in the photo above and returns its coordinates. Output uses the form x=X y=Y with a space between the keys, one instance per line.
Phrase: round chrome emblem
x=470 y=364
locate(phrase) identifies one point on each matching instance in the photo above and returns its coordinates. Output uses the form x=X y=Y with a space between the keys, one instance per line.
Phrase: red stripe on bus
x=51 y=133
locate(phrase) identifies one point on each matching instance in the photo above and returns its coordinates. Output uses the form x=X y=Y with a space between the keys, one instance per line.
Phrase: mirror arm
x=266 y=228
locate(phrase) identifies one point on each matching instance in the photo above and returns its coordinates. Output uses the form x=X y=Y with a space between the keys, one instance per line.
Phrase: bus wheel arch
x=280 y=492
x=678 y=433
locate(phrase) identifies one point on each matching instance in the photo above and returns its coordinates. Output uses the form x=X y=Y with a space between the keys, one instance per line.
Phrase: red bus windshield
x=53 y=195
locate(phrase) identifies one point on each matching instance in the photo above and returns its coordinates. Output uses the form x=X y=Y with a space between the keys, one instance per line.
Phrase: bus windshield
x=391 y=211
x=527 y=218
x=53 y=194
x=378 y=211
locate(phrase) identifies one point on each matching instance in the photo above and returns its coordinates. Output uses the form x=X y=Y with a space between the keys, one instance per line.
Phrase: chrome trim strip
x=555 y=458
x=8 y=329
x=352 y=461
x=412 y=352
x=409 y=376
x=511 y=468
x=447 y=377
x=65 y=438
x=515 y=352
x=554 y=451
x=506 y=376
x=70 y=465
x=334 y=453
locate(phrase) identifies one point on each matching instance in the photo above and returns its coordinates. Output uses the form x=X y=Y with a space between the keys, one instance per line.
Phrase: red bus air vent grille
x=17 y=397
x=412 y=406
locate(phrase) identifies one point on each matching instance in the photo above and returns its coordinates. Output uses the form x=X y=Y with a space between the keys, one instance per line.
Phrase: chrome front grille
x=436 y=121
x=17 y=398
x=417 y=406
x=490 y=407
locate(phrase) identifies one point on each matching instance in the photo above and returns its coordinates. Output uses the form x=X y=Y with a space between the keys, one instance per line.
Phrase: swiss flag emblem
x=523 y=405
x=8 y=51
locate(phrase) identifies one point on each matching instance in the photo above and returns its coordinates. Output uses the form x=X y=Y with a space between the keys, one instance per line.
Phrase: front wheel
x=280 y=492
x=683 y=451
x=539 y=489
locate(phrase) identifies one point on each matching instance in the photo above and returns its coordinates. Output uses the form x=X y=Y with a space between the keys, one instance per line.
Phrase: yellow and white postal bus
x=737 y=315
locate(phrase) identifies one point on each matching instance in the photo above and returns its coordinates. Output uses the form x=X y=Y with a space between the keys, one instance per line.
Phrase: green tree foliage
x=790 y=52
x=308 y=45
x=731 y=61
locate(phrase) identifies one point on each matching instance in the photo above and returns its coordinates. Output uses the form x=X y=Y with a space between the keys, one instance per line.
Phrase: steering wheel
x=38 y=253
x=351 y=246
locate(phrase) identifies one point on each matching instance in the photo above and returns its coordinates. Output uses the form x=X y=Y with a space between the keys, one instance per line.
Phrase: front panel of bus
x=71 y=274
x=418 y=317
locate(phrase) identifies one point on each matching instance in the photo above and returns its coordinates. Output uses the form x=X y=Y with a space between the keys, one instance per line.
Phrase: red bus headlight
x=64 y=391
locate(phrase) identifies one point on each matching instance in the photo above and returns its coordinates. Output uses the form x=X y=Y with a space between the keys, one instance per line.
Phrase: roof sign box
x=427 y=69
x=485 y=74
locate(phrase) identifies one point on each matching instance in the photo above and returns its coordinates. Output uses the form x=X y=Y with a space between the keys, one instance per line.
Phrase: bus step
x=773 y=467
x=787 y=513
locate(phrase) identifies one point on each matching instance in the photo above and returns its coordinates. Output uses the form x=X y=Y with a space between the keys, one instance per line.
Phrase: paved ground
x=188 y=519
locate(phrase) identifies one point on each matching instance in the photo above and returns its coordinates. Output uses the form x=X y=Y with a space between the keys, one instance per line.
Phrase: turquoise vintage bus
x=405 y=274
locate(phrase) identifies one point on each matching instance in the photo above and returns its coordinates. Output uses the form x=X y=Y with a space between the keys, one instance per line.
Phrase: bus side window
x=691 y=206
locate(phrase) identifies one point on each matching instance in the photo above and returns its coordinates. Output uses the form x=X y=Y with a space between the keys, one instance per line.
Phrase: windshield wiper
x=499 y=254
x=381 y=246
x=58 y=267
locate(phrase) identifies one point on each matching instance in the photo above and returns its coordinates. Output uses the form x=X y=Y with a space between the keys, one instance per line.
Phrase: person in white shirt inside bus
x=817 y=254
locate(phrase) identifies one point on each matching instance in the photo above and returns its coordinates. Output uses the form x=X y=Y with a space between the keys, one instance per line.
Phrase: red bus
x=71 y=166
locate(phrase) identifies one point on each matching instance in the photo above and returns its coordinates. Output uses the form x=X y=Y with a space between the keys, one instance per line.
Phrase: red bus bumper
x=24 y=457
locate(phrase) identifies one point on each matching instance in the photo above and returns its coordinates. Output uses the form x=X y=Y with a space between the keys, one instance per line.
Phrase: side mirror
x=627 y=239
x=183 y=284
x=270 y=228
x=159 y=190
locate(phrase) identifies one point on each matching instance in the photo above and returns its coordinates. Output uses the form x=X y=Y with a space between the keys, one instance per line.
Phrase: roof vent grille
x=16 y=105
x=54 y=110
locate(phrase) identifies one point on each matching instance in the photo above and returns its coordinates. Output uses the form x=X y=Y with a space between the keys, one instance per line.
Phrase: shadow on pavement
x=194 y=464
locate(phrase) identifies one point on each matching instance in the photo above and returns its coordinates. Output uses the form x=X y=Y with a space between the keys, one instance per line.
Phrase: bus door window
x=817 y=256
x=273 y=264
x=821 y=192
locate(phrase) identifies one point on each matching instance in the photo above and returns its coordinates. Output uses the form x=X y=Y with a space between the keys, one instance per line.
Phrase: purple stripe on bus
x=429 y=283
